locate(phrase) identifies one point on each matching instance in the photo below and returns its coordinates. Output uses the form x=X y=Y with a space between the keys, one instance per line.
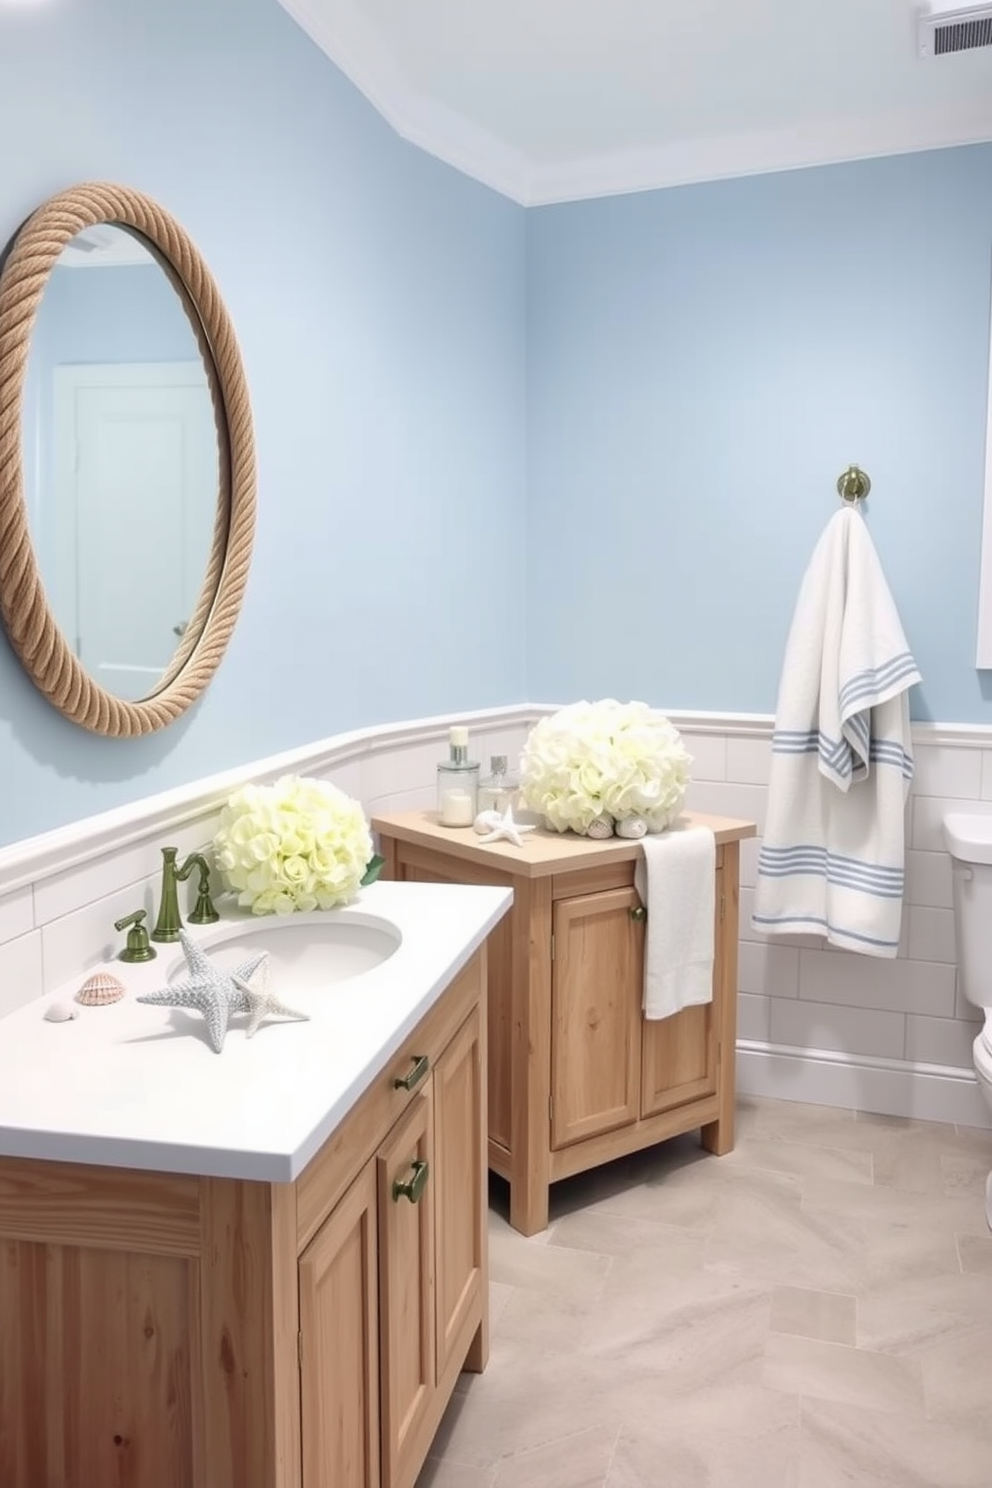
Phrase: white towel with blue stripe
x=832 y=859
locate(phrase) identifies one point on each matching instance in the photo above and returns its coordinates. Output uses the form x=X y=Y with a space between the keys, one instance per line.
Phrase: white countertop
x=138 y=1086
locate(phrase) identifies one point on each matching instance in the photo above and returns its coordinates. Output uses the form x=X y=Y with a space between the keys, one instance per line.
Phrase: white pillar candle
x=456 y=809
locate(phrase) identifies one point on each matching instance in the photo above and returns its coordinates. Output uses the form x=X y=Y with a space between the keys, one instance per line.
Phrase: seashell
x=99 y=989
x=600 y=828
x=487 y=821
x=60 y=1012
x=632 y=826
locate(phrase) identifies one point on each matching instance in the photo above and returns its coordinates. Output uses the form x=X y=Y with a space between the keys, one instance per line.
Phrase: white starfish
x=264 y=1003
x=501 y=826
x=213 y=992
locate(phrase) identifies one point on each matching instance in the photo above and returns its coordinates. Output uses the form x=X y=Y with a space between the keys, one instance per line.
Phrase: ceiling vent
x=952 y=27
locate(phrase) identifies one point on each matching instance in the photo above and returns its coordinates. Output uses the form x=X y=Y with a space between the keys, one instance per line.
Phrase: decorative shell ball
x=60 y=1012
x=632 y=826
x=100 y=989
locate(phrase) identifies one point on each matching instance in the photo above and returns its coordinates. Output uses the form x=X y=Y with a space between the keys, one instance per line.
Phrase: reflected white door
x=136 y=493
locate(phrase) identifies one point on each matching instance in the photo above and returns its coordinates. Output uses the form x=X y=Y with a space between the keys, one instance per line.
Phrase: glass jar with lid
x=498 y=789
x=457 y=784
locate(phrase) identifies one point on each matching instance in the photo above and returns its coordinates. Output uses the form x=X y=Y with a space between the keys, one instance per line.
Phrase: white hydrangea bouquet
x=298 y=845
x=596 y=768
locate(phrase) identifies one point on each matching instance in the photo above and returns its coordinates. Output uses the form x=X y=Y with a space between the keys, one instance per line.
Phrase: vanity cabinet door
x=596 y=994
x=459 y=1216
x=679 y=1054
x=339 y=1344
x=406 y=1284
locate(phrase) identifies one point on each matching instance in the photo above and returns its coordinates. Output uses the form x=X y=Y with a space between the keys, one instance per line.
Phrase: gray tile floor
x=811 y=1311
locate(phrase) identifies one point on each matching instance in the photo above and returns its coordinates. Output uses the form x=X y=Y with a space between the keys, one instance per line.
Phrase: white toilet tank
x=969 y=842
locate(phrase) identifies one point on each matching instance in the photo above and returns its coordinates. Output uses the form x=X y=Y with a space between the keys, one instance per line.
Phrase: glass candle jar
x=457 y=784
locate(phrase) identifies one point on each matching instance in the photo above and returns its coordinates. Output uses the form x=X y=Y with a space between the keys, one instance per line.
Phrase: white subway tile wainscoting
x=816 y=1024
x=828 y=1026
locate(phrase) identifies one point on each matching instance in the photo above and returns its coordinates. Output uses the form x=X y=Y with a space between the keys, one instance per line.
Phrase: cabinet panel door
x=461 y=1177
x=339 y=1318
x=406 y=1281
x=679 y=1054
x=95 y=1367
x=596 y=994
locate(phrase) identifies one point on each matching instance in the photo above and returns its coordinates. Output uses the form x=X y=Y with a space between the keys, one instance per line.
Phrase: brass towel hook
x=853 y=485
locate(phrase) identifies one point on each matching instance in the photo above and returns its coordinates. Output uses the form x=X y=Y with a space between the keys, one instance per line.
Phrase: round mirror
x=127 y=489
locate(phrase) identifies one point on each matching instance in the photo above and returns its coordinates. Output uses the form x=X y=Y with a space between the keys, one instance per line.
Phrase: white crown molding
x=827 y=142
x=355 y=47
x=340 y=30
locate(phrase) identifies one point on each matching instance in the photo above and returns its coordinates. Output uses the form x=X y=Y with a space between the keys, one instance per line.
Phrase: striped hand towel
x=832 y=859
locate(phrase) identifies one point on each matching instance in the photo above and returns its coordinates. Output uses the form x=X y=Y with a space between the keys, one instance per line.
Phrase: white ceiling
x=550 y=100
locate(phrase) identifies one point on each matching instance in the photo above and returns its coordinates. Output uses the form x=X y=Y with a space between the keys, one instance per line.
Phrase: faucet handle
x=137 y=948
x=203 y=912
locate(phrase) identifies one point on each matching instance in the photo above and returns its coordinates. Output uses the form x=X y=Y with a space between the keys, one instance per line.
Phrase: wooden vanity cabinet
x=339 y=1342
x=577 y=1076
x=169 y=1331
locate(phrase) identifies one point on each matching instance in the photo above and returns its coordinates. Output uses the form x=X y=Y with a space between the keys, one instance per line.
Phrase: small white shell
x=487 y=821
x=600 y=828
x=632 y=826
x=99 y=989
x=60 y=1012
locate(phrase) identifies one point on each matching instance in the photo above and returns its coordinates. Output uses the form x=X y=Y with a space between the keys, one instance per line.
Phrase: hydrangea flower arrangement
x=300 y=844
x=605 y=763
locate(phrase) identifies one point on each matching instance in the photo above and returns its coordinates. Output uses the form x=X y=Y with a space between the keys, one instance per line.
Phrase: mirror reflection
x=120 y=458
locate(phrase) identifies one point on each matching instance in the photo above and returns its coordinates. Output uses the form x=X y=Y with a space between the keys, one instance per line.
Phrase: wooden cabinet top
x=543 y=852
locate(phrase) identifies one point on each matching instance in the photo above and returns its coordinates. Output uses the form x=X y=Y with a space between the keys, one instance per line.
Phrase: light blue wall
x=703 y=364
x=379 y=298
x=647 y=397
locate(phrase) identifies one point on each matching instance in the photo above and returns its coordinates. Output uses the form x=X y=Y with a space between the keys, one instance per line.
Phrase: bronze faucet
x=169 y=922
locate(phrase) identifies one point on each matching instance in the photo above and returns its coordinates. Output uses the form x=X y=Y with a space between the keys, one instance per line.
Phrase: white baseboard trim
x=890 y=1087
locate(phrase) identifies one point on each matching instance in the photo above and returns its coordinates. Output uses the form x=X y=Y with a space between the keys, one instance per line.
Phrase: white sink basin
x=307 y=951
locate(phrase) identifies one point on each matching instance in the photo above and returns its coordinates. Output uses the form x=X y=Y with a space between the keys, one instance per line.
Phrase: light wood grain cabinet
x=170 y=1331
x=597 y=960
x=339 y=1342
x=404 y=1171
x=460 y=1224
x=576 y=1075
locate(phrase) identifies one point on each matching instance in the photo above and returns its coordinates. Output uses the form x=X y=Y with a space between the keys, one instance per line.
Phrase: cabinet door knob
x=421 y=1064
x=412 y=1188
x=639 y=913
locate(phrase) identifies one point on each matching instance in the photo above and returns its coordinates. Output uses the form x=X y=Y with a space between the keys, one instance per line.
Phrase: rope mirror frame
x=31 y=627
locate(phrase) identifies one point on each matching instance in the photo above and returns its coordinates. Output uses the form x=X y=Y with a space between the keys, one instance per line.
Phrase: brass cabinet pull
x=421 y=1064
x=639 y=913
x=412 y=1188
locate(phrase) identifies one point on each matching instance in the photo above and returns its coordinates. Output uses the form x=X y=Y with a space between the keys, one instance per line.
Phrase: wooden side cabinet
x=169 y=1331
x=576 y=1075
x=596 y=973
